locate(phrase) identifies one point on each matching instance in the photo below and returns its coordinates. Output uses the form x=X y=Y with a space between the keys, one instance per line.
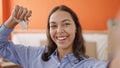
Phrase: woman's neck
x=63 y=52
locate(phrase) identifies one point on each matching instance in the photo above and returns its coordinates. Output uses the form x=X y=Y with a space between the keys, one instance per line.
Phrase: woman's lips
x=61 y=39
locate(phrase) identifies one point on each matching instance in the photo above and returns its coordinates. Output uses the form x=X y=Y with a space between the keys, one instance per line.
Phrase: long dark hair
x=78 y=44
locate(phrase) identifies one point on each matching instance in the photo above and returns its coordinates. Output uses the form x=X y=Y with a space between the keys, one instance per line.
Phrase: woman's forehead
x=60 y=16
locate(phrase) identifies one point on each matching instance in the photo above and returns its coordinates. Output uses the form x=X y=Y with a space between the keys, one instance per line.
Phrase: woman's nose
x=60 y=29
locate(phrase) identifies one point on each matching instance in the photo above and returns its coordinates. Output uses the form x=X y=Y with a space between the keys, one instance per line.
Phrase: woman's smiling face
x=62 y=29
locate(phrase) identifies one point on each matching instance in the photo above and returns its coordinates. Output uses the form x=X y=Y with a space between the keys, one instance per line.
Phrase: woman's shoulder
x=94 y=60
x=95 y=63
x=37 y=49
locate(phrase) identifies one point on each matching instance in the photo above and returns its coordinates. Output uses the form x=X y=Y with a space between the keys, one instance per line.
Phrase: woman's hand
x=115 y=37
x=19 y=13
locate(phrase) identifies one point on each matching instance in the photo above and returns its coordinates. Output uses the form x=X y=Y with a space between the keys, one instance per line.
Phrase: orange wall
x=5 y=10
x=93 y=14
x=0 y=11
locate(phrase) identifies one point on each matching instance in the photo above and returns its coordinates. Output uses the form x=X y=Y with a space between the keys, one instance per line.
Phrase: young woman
x=65 y=48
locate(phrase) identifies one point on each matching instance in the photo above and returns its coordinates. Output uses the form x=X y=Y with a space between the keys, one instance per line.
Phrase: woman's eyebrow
x=52 y=22
x=65 y=20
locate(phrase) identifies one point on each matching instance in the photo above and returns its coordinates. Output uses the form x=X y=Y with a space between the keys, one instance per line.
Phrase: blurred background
x=95 y=16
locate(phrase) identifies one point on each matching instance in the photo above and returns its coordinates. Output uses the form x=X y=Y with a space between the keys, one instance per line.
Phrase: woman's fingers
x=20 y=13
x=28 y=14
x=24 y=14
x=25 y=10
x=15 y=11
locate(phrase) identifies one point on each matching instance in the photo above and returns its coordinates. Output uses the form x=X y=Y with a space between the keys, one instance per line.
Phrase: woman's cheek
x=52 y=34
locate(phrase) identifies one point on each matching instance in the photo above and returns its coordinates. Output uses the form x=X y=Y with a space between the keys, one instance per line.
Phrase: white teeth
x=61 y=38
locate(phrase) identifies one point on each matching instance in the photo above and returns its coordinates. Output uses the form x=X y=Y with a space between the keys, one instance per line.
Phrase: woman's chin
x=62 y=46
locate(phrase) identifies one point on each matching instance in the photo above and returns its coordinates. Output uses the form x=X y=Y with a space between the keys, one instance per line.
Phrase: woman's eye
x=66 y=24
x=53 y=26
